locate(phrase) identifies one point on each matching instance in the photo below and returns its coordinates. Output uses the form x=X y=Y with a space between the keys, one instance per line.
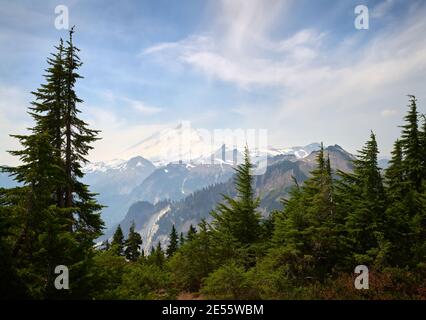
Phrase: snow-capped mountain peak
x=103 y=166
x=181 y=143
x=200 y=146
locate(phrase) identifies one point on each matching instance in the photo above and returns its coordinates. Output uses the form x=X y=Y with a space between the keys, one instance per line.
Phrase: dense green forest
x=309 y=249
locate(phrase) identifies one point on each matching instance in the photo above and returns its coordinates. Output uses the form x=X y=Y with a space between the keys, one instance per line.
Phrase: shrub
x=228 y=282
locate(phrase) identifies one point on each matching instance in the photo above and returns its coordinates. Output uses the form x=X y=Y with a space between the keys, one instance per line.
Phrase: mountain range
x=166 y=187
x=169 y=174
x=154 y=221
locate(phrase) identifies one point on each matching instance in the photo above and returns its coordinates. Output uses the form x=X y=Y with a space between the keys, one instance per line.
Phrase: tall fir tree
x=411 y=147
x=117 y=243
x=405 y=188
x=173 y=242
x=78 y=139
x=133 y=244
x=362 y=203
x=397 y=217
x=414 y=183
x=305 y=233
x=236 y=221
x=48 y=108
x=395 y=173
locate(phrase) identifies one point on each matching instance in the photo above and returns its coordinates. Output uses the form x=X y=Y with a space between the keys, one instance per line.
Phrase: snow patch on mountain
x=103 y=166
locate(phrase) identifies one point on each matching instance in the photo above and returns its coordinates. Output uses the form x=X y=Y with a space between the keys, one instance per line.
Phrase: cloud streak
x=360 y=78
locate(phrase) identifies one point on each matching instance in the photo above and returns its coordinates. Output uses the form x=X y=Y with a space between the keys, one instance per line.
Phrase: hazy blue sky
x=297 y=68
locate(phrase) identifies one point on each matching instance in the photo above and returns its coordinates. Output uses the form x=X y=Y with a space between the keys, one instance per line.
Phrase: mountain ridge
x=272 y=186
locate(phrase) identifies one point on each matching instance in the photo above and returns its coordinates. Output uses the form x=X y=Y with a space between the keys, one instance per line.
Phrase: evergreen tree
x=305 y=233
x=395 y=173
x=158 y=257
x=423 y=146
x=173 y=244
x=191 y=232
x=398 y=227
x=411 y=147
x=42 y=242
x=181 y=239
x=414 y=183
x=49 y=218
x=48 y=107
x=117 y=244
x=362 y=203
x=78 y=139
x=11 y=285
x=133 y=244
x=236 y=222
x=194 y=261
x=405 y=184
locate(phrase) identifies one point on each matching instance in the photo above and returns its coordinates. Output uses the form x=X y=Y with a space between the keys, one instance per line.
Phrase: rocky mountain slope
x=154 y=222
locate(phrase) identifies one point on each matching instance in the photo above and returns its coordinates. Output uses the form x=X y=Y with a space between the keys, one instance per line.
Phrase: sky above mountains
x=299 y=69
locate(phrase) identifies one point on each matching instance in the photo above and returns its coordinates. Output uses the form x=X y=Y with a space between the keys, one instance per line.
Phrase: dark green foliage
x=114 y=278
x=117 y=243
x=53 y=227
x=191 y=232
x=395 y=174
x=144 y=282
x=11 y=286
x=236 y=221
x=414 y=185
x=398 y=226
x=181 y=239
x=108 y=273
x=412 y=148
x=405 y=181
x=423 y=146
x=362 y=203
x=227 y=282
x=157 y=256
x=133 y=244
x=194 y=261
x=173 y=242
x=305 y=235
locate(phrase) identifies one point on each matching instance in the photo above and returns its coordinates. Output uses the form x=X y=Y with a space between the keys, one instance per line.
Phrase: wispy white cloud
x=238 y=48
x=291 y=57
x=142 y=107
x=353 y=80
x=319 y=91
x=160 y=47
